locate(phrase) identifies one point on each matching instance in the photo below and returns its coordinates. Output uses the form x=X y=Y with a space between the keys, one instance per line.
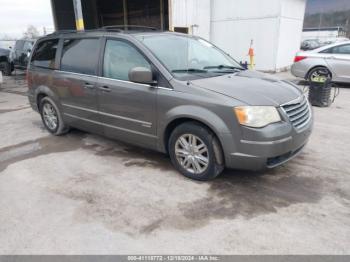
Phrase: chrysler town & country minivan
x=169 y=92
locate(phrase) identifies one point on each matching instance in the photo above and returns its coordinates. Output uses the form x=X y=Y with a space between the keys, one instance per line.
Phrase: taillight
x=299 y=58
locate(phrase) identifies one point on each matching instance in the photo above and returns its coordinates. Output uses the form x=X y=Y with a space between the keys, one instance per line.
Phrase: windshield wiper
x=223 y=67
x=189 y=70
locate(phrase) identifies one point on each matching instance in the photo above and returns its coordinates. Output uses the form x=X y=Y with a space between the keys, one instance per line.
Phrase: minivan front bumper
x=275 y=145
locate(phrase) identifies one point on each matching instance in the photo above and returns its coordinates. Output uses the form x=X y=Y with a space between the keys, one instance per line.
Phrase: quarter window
x=45 y=54
x=119 y=58
x=80 y=56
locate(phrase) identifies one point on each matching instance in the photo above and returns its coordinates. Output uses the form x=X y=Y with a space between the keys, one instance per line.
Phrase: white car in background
x=330 y=60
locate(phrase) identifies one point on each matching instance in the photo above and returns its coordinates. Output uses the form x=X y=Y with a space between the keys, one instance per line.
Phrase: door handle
x=89 y=86
x=105 y=88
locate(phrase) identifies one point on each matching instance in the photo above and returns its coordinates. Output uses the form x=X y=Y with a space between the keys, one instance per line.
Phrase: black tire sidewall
x=207 y=137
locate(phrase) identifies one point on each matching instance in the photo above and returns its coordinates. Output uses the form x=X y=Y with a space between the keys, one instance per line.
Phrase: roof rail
x=114 y=28
x=128 y=28
x=66 y=31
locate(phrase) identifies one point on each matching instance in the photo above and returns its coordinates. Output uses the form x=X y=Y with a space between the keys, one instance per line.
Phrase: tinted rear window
x=45 y=54
x=80 y=56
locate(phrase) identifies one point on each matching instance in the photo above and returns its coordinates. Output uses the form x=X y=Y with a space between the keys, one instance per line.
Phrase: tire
x=47 y=104
x=5 y=68
x=179 y=153
x=320 y=70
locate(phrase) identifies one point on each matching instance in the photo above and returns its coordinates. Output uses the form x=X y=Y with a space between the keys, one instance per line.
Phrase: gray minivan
x=170 y=92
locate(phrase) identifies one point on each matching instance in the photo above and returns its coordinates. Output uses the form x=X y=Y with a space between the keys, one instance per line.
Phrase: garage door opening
x=98 y=13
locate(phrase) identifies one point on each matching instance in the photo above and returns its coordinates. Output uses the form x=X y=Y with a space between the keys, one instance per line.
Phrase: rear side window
x=45 y=54
x=341 y=49
x=119 y=58
x=80 y=56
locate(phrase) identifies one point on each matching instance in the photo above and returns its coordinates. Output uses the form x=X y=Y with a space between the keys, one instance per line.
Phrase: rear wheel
x=5 y=68
x=317 y=72
x=194 y=150
x=51 y=117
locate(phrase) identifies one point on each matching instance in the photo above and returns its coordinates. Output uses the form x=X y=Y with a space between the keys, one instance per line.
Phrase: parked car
x=310 y=44
x=332 y=61
x=169 y=92
x=20 y=53
x=6 y=67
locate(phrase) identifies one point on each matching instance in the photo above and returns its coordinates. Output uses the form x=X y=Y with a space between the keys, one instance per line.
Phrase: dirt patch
x=131 y=156
x=135 y=209
x=251 y=194
x=2 y=111
x=41 y=146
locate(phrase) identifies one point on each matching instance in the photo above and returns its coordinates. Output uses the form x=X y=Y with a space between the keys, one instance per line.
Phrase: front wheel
x=195 y=151
x=51 y=117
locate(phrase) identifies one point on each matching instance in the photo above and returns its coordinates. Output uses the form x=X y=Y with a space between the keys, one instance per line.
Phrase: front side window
x=45 y=54
x=80 y=56
x=187 y=56
x=119 y=58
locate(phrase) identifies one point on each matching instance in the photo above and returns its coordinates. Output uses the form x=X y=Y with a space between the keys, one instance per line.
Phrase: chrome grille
x=298 y=112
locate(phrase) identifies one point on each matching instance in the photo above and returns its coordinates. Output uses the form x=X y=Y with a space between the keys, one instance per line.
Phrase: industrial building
x=275 y=26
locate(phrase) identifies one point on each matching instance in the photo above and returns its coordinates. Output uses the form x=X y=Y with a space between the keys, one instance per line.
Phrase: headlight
x=257 y=116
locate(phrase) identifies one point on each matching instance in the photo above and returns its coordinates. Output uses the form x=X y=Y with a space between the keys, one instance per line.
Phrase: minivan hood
x=251 y=87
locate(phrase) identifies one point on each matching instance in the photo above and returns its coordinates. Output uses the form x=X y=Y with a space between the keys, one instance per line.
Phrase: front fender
x=197 y=113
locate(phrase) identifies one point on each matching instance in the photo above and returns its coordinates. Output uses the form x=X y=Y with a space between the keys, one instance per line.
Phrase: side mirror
x=141 y=75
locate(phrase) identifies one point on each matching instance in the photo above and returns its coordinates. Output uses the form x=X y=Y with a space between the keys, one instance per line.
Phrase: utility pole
x=79 y=19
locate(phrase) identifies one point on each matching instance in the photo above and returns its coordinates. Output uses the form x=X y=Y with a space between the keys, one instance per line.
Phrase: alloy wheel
x=192 y=153
x=50 y=116
x=319 y=72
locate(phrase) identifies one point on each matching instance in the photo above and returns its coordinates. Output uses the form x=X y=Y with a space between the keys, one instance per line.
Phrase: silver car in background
x=331 y=60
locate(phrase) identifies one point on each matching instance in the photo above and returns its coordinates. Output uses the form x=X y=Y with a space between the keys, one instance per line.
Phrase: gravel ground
x=84 y=194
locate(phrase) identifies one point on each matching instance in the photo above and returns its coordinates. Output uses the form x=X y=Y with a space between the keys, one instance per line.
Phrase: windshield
x=189 y=57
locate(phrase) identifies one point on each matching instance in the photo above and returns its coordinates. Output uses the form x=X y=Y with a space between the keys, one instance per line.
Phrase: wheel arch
x=43 y=91
x=312 y=68
x=200 y=115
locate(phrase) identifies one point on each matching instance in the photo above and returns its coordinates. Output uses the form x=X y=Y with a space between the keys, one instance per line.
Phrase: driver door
x=127 y=109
